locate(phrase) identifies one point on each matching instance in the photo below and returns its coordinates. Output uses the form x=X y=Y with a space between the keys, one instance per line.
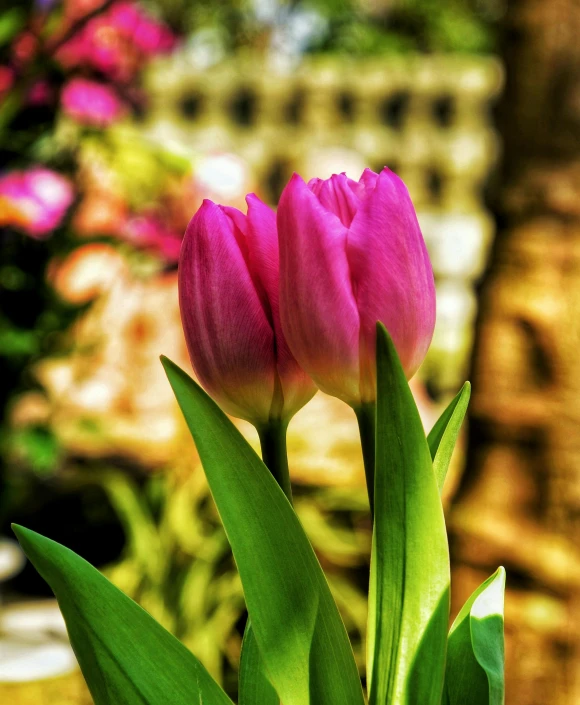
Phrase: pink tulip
x=352 y=254
x=228 y=295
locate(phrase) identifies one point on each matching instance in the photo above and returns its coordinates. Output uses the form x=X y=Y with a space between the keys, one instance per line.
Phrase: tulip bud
x=228 y=296
x=352 y=254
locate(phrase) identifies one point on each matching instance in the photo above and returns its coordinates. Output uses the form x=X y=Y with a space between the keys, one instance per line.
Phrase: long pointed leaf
x=299 y=631
x=443 y=435
x=255 y=688
x=475 y=652
x=409 y=590
x=126 y=657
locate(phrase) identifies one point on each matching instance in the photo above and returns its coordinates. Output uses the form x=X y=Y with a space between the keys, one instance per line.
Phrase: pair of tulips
x=275 y=305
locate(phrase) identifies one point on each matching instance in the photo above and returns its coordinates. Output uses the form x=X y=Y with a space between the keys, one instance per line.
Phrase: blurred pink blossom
x=147 y=232
x=91 y=103
x=24 y=48
x=6 y=79
x=34 y=200
x=117 y=41
x=40 y=93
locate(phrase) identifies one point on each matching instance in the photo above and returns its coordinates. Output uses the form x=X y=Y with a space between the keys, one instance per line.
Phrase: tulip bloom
x=352 y=254
x=228 y=296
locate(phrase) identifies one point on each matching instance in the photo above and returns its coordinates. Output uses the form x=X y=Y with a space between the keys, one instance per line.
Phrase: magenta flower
x=36 y=200
x=40 y=93
x=352 y=254
x=149 y=233
x=228 y=296
x=6 y=79
x=149 y=35
x=117 y=41
x=91 y=103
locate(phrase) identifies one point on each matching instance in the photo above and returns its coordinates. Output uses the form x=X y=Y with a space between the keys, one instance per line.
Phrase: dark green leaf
x=11 y=22
x=475 y=651
x=299 y=631
x=126 y=657
x=255 y=688
x=443 y=435
x=409 y=589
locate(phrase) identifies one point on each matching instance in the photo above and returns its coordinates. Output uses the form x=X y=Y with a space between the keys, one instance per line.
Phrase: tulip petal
x=317 y=305
x=392 y=275
x=367 y=182
x=262 y=239
x=338 y=195
x=247 y=240
x=262 y=236
x=229 y=337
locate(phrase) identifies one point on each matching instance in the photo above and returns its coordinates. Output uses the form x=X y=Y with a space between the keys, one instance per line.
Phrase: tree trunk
x=519 y=501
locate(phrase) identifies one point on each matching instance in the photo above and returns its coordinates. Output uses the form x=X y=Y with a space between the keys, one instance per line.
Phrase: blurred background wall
x=519 y=499
x=116 y=119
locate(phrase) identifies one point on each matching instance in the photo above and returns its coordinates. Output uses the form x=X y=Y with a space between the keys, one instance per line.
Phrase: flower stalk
x=274 y=452
x=365 y=415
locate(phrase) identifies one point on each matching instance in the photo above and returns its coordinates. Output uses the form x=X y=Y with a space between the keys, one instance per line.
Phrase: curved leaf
x=475 y=651
x=126 y=657
x=409 y=589
x=443 y=436
x=299 y=631
x=487 y=636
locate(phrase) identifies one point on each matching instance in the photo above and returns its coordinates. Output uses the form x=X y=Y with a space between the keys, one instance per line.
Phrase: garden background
x=116 y=119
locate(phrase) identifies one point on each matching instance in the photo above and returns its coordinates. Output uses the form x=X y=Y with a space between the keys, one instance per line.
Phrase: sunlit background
x=117 y=119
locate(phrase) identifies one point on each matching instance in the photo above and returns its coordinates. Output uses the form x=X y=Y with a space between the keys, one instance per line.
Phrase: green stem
x=365 y=414
x=274 y=454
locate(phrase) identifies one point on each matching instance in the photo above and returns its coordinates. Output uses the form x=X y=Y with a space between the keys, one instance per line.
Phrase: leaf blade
x=299 y=631
x=409 y=595
x=254 y=685
x=487 y=636
x=444 y=434
x=467 y=679
x=126 y=657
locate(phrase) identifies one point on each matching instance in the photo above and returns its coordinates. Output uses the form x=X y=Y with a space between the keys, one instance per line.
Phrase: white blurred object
x=205 y=48
x=11 y=559
x=292 y=35
x=223 y=176
x=22 y=662
x=458 y=243
x=293 y=29
x=34 y=643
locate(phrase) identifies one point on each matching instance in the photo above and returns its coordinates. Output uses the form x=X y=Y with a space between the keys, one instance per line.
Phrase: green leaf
x=475 y=651
x=487 y=638
x=299 y=631
x=11 y=22
x=409 y=587
x=255 y=688
x=443 y=435
x=126 y=657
